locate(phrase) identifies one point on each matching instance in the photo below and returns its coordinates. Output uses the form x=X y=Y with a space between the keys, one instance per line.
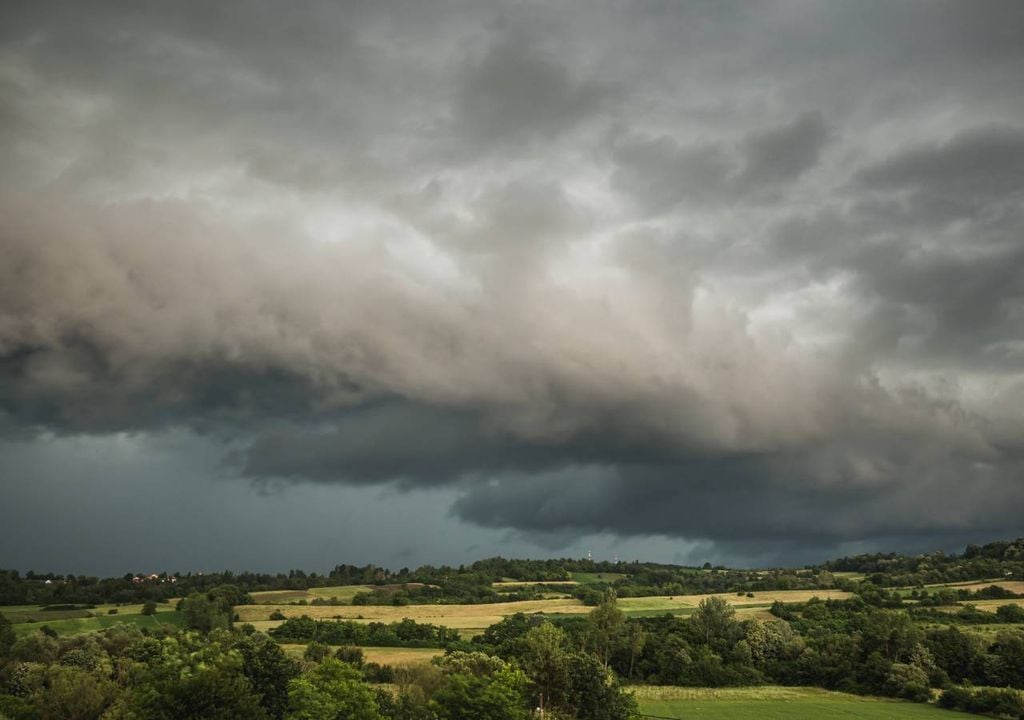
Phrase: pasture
x=684 y=604
x=342 y=593
x=97 y=620
x=777 y=703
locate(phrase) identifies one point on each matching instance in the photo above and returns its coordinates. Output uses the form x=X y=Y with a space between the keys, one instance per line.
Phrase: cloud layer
x=745 y=274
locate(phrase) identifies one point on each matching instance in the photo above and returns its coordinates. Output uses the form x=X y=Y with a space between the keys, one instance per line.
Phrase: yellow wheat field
x=477 y=617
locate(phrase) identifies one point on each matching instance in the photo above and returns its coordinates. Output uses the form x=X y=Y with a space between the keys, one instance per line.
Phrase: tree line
x=473 y=583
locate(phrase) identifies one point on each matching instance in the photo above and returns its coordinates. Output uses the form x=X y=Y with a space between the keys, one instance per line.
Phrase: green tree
x=149 y=608
x=71 y=693
x=269 y=671
x=477 y=664
x=593 y=692
x=496 y=697
x=713 y=622
x=190 y=680
x=1008 y=650
x=36 y=647
x=332 y=690
x=204 y=613
x=605 y=626
x=506 y=636
x=1010 y=613
x=635 y=638
x=316 y=651
x=7 y=636
x=545 y=661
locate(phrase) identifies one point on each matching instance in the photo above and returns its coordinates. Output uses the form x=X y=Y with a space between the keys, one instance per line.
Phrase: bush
x=350 y=655
x=112 y=611
x=1002 y=702
x=277 y=615
x=316 y=652
x=1010 y=613
x=149 y=608
x=955 y=697
x=376 y=673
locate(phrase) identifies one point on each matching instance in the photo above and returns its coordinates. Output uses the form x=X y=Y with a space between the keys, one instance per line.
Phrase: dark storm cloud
x=517 y=93
x=659 y=173
x=738 y=273
x=980 y=163
x=783 y=154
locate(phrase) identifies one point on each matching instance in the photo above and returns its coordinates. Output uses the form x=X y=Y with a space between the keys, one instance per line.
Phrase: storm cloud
x=730 y=274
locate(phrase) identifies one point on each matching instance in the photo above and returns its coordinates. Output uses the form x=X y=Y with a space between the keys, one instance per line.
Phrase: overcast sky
x=294 y=284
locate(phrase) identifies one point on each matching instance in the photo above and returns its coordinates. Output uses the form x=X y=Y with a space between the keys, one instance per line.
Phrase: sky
x=287 y=285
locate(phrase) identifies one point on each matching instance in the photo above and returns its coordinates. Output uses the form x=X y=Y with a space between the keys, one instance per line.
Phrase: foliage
x=406 y=633
x=1001 y=702
x=332 y=689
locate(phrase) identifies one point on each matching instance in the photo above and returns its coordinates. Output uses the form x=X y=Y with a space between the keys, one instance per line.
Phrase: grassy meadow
x=28 y=619
x=777 y=703
x=341 y=593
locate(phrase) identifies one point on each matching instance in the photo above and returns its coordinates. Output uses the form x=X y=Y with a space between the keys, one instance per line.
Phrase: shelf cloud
x=730 y=273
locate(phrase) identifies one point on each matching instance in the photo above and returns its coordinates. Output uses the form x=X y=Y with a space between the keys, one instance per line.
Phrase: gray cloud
x=741 y=275
x=517 y=92
x=783 y=154
x=973 y=176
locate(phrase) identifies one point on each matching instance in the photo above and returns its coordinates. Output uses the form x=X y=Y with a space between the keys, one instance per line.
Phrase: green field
x=342 y=593
x=778 y=703
x=71 y=626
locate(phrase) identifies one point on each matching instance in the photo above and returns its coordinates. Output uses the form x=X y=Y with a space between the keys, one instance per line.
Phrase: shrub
x=1010 y=613
x=349 y=654
x=316 y=652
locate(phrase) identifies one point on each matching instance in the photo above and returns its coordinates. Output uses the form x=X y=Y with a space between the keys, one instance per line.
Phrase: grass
x=342 y=593
x=526 y=583
x=777 y=703
x=680 y=604
x=279 y=597
x=453 y=616
x=73 y=626
x=988 y=632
